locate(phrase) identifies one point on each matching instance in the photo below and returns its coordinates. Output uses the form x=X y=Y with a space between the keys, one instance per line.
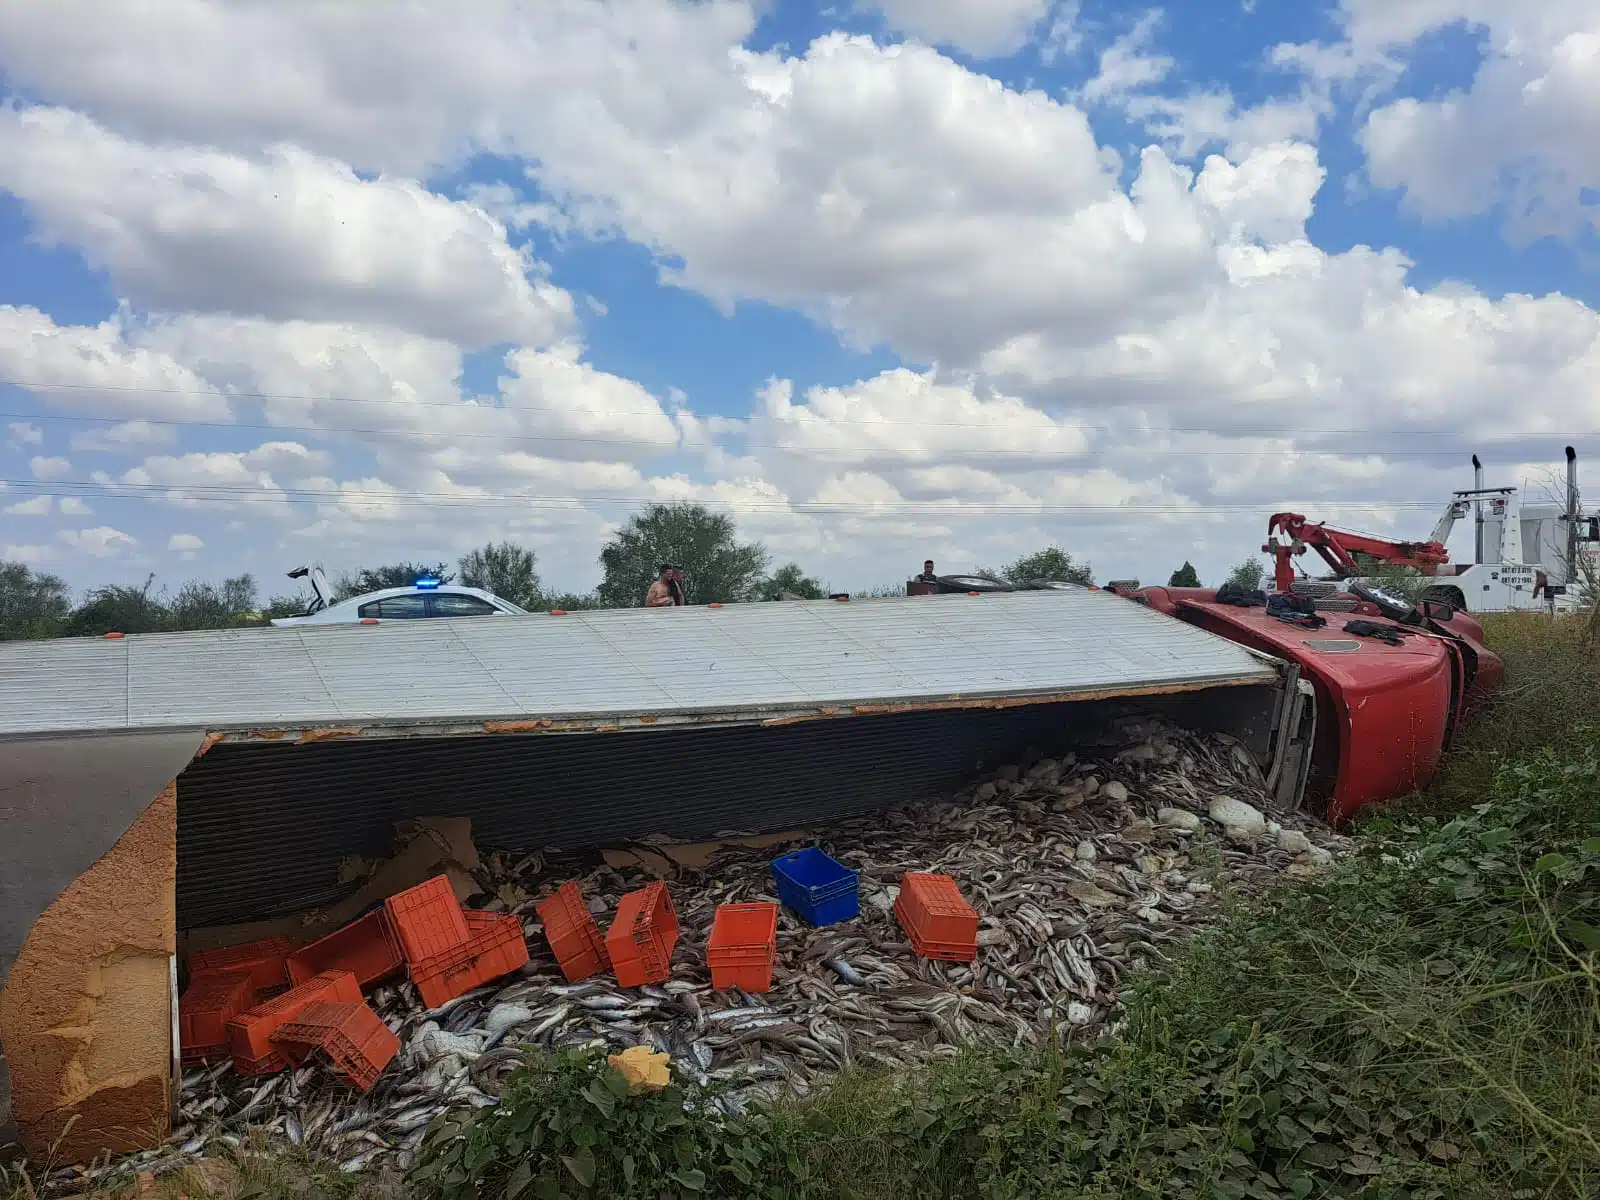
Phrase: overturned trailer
x=160 y=783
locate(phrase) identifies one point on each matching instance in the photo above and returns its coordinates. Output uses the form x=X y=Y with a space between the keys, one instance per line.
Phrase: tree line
x=720 y=568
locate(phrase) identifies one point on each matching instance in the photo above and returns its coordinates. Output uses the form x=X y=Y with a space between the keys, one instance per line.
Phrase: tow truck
x=1527 y=558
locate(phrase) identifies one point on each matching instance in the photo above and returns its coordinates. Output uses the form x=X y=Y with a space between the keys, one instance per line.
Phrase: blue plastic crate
x=820 y=889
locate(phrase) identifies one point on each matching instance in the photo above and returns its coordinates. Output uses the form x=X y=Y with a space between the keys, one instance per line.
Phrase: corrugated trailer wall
x=262 y=829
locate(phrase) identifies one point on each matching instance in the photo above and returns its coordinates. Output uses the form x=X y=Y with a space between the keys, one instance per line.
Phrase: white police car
x=423 y=599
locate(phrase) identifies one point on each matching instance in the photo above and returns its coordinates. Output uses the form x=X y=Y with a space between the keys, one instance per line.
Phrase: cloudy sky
x=344 y=281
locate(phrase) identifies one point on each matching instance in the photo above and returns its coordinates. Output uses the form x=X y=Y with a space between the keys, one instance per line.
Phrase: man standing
x=927 y=575
x=660 y=594
x=679 y=595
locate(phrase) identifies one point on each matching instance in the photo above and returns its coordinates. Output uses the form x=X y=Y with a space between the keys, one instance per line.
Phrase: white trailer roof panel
x=744 y=661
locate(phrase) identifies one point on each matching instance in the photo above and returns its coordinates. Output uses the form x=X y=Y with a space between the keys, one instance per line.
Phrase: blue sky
x=988 y=276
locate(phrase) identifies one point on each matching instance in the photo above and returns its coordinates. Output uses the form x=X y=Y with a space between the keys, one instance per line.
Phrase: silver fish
x=845 y=971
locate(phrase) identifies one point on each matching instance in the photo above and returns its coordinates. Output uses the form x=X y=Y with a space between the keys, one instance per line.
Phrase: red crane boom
x=1338 y=548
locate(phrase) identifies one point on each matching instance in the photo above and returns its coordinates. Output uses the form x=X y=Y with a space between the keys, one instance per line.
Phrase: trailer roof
x=739 y=663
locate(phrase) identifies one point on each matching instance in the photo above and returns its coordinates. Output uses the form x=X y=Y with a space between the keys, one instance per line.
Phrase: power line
x=606 y=439
x=234 y=494
x=1260 y=431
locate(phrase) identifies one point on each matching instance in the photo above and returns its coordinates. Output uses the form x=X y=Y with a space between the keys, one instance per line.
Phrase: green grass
x=1549 y=695
x=1423 y=1023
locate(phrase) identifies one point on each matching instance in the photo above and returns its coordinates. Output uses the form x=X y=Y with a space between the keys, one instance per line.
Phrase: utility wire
x=465 y=405
x=233 y=494
x=668 y=446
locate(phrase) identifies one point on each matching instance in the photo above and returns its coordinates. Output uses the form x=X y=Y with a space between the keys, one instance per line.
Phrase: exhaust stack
x=1572 y=519
x=1477 y=510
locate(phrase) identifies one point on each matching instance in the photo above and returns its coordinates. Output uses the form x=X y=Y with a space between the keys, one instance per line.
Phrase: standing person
x=927 y=575
x=680 y=596
x=660 y=594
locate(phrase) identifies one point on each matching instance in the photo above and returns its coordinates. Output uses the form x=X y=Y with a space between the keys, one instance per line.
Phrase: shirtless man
x=660 y=593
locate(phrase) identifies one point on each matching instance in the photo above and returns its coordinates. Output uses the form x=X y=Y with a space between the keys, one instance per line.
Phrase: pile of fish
x=1081 y=868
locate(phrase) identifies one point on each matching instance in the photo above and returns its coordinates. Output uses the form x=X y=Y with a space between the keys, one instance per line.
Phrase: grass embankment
x=1424 y=1023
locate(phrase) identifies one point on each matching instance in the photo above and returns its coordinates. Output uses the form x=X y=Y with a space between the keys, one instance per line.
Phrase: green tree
x=32 y=605
x=115 y=608
x=1051 y=564
x=571 y=601
x=507 y=570
x=791 y=579
x=717 y=567
x=286 y=606
x=1185 y=576
x=1248 y=574
x=375 y=579
x=203 y=606
x=1395 y=578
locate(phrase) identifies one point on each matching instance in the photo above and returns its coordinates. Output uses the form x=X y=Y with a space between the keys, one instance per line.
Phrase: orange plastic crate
x=943 y=951
x=937 y=910
x=495 y=948
x=743 y=931
x=749 y=976
x=205 y=1009
x=959 y=951
x=351 y=1034
x=269 y=1064
x=367 y=948
x=743 y=946
x=427 y=919
x=573 y=934
x=642 y=936
x=265 y=959
x=250 y=1033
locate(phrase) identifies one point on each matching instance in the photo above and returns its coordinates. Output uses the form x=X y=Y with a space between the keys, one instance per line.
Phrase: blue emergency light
x=427 y=584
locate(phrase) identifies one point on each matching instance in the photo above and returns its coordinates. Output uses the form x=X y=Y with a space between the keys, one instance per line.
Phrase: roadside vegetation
x=720 y=568
x=1423 y=1022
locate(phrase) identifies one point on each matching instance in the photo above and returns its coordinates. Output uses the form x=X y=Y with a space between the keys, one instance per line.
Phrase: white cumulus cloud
x=982 y=28
x=49 y=467
x=1519 y=139
x=100 y=542
x=282 y=233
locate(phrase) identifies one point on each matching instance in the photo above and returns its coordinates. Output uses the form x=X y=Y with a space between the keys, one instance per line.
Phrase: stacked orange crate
x=266 y=959
x=204 y=1010
x=743 y=946
x=938 y=920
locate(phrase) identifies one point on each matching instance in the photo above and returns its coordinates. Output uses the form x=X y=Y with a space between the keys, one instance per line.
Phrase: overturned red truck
x=1392 y=680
